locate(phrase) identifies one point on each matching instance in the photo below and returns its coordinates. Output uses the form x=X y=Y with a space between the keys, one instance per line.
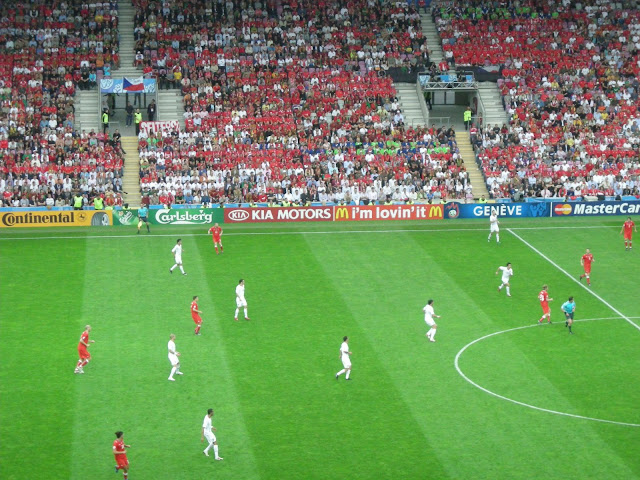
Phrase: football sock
x=489 y=238
x=173 y=371
x=198 y=329
x=84 y=363
x=433 y=334
x=508 y=292
x=500 y=287
x=79 y=364
x=206 y=450
x=569 y=327
x=246 y=315
x=215 y=451
x=173 y=268
x=340 y=372
x=126 y=476
x=348 y=373
x=181 y=269
x=236 y=315
x=221 y=248
x=566 y=324
x=216 y=249
x=148 y=229
x=498 y=237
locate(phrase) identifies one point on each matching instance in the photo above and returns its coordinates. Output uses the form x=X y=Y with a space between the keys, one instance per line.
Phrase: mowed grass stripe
x=41 y=308
x=384 y=295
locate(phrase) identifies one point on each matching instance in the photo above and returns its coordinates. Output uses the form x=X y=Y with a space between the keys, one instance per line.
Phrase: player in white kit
x=173 y=358
x=207 y=432
x=507 y=273
x=241 y=302
x=177 y=255
x=493 y=222
x=429 y=316
x=344 y=357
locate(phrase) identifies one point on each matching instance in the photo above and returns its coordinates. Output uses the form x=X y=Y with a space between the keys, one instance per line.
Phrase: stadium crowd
x=47 y=50
x=569 y=81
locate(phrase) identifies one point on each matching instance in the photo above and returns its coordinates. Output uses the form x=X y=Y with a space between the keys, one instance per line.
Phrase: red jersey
x=543 y=296
x=587 y=258
x=118 y=446
x=194 y=310
x=628 y=227
x=84 y=338
x=216 y=232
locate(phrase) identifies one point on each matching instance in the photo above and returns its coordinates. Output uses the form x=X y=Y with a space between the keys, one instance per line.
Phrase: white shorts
x=429 y=321
x=179 y=259
x=210 y=437
x=173 y=359
x=505 y=279
x=346 y=361
x=495 y=228
x=241 y=302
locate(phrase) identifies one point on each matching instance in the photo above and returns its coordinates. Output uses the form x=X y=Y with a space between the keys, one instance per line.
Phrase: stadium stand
x=47 y=50
x=570 y=85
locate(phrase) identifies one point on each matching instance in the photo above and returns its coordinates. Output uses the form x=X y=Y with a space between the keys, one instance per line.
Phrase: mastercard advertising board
x=588 y=209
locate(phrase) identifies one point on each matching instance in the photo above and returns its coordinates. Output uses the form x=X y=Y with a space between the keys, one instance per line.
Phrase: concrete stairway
x=131 y=175
x=410 y=104
x=434 y=43
x=478 y=185
x=87 y=103
x=126 y=13
x=492 y=101
x=170 y=106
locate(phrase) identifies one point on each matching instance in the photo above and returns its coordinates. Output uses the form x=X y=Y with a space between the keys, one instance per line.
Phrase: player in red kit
x=216 y=232
x=543 y=296
x=83 y=353
x=120 y=452
x=195 y=314
x=585 y=261
x=628 y=229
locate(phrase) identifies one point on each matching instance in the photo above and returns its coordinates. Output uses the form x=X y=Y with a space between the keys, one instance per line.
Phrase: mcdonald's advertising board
x=388 y=212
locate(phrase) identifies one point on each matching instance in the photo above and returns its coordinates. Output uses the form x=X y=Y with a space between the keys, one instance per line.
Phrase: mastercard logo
x=563 y=209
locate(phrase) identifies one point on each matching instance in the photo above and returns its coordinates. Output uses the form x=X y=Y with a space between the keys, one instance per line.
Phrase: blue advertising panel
x=588 y=209
x=483 y=210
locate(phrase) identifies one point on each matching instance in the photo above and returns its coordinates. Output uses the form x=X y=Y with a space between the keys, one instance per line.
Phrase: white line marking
x=337 y=232
x=613 y=309
x=502 y=397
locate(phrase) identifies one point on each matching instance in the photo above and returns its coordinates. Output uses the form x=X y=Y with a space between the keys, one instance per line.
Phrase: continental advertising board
x=163 y=216
x=588 y=209
x=483 y=210
x=330 y=214
x=64 y=218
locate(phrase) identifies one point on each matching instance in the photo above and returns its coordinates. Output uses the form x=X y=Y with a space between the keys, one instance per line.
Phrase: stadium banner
x=278 y=214
x=164 y=216
x=67 y=218
x=388 y=212
x=156 y=127
x=588 y=209
x=483 y=210
x=116 y=85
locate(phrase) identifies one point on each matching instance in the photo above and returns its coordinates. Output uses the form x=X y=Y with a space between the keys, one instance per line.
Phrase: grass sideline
x=279 y=411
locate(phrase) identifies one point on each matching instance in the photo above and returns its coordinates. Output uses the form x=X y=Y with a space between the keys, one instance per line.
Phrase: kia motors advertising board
x=278 y=214
x=586 y=209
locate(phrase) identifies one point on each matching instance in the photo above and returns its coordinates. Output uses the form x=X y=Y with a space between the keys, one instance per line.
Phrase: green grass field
x=280 y=414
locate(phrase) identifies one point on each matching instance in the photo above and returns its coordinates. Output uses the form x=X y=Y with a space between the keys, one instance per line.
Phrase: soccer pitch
x=495 y=397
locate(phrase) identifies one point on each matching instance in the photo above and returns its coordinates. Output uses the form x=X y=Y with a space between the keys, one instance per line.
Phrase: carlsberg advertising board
x=163 y=216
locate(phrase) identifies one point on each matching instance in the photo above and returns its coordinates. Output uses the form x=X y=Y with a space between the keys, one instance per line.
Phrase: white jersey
x=173 y=358
x=507 y=273
x=428 y=315
x=493 y=221
x=344 y=355
x=240 y=300
x=177 y=251
x=207 y=429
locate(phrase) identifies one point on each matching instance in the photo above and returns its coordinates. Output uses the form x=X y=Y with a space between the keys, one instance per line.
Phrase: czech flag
x=133 y=85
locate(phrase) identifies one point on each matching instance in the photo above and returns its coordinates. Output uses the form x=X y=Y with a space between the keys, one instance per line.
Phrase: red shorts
x=545 y=309
x=587 y=269
x=122 y=461
x=84 y=353
x=627 y=236
x=197 y=319
x=217 y=240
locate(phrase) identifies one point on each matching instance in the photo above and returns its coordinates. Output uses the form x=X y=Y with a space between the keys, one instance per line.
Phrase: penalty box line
x=618 y=312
